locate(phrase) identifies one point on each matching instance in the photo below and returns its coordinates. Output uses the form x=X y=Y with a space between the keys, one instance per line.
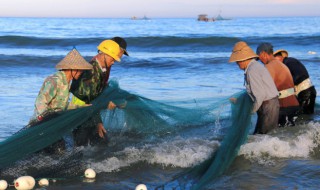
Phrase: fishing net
x=237 y=122
x=220 y=161
x=138 y=116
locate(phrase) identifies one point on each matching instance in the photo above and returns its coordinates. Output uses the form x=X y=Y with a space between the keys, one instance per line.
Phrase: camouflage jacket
x=91 y=83
x=54 y=94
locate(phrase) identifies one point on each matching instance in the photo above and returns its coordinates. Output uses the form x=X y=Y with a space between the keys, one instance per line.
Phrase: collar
x=102 y=69
x=63 y=77
x=245 y=71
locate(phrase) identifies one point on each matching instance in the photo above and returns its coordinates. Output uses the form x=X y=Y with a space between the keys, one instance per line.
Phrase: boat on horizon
x=142 y=18
x=219 y=17
x=204 y=17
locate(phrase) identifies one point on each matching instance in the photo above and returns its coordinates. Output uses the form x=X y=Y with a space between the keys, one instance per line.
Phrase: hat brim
x=236 y=59
x=125 y=52
x=284 y=53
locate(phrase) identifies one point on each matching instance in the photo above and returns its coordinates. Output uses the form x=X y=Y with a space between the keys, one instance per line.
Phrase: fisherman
x=259 y=86
x=289 y=105
x=54 y=93
x=91 y=84
x=304 y=89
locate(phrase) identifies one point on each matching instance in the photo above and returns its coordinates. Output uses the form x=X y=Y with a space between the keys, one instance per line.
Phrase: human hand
x=233 y=100
x=111 y=105
x=101 y=130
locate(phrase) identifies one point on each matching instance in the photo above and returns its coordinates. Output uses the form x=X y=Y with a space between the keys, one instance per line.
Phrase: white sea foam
x=283 y=143
x=176 y=153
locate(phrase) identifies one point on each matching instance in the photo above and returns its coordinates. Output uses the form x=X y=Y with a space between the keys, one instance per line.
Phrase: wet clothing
x=87 y=134
x=307 y=100
x=288 y=115
x=53 y=95
x=268 y=116
x=89 y=86
x=300 y=75
x=264 y=94
x=282 y=78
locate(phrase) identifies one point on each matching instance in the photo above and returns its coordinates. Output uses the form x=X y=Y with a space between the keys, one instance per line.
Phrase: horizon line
x=76 y=17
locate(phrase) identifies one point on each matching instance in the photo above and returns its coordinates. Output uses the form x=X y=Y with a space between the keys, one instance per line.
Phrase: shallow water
x=170 y=60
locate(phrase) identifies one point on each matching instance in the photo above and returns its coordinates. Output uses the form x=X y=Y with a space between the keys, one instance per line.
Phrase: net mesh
x=139 y=116
x=237 y=134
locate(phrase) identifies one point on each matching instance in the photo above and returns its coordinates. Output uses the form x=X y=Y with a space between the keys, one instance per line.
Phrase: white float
x=141 y=187
x=24 y=183
x=3 y=184
x=43 y=182
x=90 y=173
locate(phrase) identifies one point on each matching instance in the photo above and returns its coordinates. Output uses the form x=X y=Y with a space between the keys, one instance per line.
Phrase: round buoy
x=43 y=182
x=3 y=184
x=90 y=173
x=141 y=187
x=24 y=183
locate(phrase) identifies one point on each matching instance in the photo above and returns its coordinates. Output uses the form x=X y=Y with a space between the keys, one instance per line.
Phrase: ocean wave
x=299 y=141
x=29 y=41
x=191 y=43
x=177 y=153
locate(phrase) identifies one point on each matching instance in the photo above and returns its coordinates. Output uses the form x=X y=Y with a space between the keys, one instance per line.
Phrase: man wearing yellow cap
x=91 y=84
x=260 y=87
x=304 y=88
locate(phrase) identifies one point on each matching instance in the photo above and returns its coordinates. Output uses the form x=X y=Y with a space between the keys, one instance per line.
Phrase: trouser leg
x=268 y=115
x=307 y=99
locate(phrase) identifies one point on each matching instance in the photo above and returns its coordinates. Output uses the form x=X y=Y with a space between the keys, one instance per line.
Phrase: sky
x=158 y=8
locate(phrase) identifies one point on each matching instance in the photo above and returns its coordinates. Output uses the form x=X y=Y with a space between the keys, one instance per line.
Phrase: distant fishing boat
x=143 y=18
x=219 y=17
x=204 y=17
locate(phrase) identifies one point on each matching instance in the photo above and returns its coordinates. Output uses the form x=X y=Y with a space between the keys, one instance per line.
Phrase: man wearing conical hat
x=304 y=89
x=259 y=86
x=289 y=105
x=54 y=93
x=91 y=84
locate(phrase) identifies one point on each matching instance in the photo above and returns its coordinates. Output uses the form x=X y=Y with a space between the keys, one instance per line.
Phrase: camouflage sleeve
x=47 y=93
x=86 y=87
x=82 y=87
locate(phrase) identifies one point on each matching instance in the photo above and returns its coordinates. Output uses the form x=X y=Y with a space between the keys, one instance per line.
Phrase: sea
x=170 y=59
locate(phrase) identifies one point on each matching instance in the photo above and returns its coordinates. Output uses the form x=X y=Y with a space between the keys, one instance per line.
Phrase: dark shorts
x=288 y=115
x=87 y=134
x=307 y=100
x=268 y=115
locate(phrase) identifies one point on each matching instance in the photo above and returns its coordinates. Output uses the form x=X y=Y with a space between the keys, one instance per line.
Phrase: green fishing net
x=138 y=116
x=237 y=134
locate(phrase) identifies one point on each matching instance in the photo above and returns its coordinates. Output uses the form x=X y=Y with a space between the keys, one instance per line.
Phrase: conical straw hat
x=283 y=52
x=74 y=60
x=241 y=51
